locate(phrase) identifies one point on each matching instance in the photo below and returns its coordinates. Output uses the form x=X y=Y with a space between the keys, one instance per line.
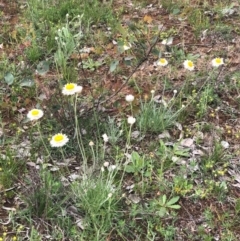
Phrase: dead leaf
x=147 y=19
x=157 y=98
x=134 y=198
x=9 y=209
x=54 y=169
x=163 y=135
x=179 y=126
x=31 y=164
x=110 y=45
x=135 y=134
x=79 y=56
x=80 y=223
x=14 y=34
x=198 y=135
x=236 y=185
x=74 y=177
x=198 y=152
x=40 y=84
x=225 y=144
x=187 y=142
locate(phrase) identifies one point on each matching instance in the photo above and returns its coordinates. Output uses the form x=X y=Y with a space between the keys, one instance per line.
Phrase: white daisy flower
x=131 y=120
x=35 y=114
x=129 y=98
x=59 y=140
x=188 y=64
x=105 y=137
x=217 y=62
x=71 y=89
x=162 y=62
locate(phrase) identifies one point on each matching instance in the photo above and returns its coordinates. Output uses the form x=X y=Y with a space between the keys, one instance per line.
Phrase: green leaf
x=175 y=206
x=157 y=52
x=43 y=67
x=129 y=169
x=120 y=43
x=139 y=164
x=135 y=156
x=114 y=65
x=9 y=78
x=176 y=11
x=164 y=199
x=173 y=200
x=27 y=83
x=128 y=60
x=183 y=153
x=237 y=205
x=162 y=211
x=147 y=174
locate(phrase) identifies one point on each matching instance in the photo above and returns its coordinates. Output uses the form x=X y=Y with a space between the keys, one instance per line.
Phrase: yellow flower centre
x=190 y=64
x=218 y=61
x=35 y=112
x=162 y=61
x=70 y=86
x=58 y=138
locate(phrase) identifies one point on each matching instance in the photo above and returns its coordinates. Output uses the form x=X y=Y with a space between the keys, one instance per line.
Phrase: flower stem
x=79 y=138
x=39 y=130
x=94 y=157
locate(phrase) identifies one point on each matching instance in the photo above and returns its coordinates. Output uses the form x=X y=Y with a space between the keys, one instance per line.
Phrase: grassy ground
x=135 y=129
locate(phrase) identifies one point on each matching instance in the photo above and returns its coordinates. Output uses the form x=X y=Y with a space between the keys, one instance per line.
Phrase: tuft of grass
x=98 y=201
x=198 y=20
x=10 y=168
x=162 y=116
x=45 y=198
x=34 y=53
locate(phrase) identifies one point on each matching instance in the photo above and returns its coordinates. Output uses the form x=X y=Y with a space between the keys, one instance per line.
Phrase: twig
x=134 y=70
x=7 y=190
